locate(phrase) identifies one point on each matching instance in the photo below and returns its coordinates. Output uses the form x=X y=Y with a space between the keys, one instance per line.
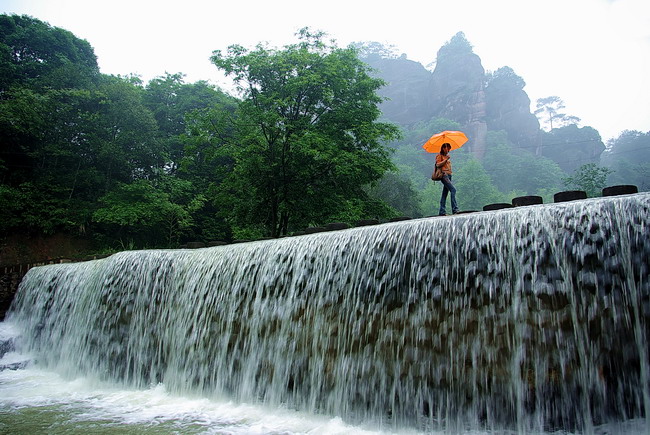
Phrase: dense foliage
x=628 y=156
x=306 y=138
x=135 y=165
x=129 y=164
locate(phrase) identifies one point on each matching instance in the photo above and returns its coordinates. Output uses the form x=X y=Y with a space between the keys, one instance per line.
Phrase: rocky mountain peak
x=458 y=89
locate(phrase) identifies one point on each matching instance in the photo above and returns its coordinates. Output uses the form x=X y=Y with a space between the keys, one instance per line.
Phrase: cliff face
x=508 y=108
x=458 y=93
x=457 y=89
x=407 y=91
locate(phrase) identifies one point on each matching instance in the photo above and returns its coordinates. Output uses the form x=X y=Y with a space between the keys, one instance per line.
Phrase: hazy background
x=594 y=54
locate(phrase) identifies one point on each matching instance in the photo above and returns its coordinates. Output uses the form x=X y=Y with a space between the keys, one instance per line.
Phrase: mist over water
x=532 y=319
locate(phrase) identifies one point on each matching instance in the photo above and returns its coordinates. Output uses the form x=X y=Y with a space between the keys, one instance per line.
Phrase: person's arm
x=440 y=164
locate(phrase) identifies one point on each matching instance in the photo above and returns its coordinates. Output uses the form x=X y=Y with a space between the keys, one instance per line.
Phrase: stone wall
x=9 y=280
x=10 y=277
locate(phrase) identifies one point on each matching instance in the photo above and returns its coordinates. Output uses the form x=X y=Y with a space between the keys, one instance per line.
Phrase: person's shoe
x=456 y=212
x=442 y=214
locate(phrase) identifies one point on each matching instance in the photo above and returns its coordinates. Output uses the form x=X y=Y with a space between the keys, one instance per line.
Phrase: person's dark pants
x=448 y=187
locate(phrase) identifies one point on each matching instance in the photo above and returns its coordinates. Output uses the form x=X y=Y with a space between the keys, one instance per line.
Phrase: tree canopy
x=572 y=146
x=550 y=109
x=628 y=158
x=306 y=134
x=457 y=45
x=37 y=55
x=589 y=178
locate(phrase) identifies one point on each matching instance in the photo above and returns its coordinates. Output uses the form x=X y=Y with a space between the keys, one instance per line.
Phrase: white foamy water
x=82 y=402
x=83 y=406
x=529 y=321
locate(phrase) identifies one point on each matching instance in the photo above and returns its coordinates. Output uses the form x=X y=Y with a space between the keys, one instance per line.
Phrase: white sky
x=593 y=54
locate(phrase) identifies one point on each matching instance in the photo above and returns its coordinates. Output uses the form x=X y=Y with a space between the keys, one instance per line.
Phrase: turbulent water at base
x=529 y=320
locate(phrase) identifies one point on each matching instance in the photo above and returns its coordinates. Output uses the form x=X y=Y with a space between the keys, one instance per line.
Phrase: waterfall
x=527 y=319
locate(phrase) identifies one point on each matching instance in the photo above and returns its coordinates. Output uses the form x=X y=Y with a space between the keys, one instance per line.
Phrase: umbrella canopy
x=454 y=138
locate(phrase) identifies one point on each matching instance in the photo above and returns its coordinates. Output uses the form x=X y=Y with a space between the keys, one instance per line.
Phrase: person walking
x=443 y=161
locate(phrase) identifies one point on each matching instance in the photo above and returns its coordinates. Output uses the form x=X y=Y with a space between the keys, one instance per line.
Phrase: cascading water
x=529 y=319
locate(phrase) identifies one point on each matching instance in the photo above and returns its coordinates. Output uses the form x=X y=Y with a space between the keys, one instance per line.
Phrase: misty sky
x=594 y=54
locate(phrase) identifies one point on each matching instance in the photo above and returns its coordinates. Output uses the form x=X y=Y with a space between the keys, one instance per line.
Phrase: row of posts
x=569 y=195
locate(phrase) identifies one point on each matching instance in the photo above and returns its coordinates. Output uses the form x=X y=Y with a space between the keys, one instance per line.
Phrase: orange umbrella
x=454 y=138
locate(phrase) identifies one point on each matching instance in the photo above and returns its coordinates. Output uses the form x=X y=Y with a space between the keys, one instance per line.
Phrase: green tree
x=550 y=109
x=148 y=214
x=46 y=81
x=572 y=146
x=375 y=50
x=590 y=178
x=206 y=164
x=170 y=100
x=36 y=55
x=514 y=169
x=504 y=78
x=628 y=157
x=397 y=191
x=49 y=155
x=71 y=136
x=474 y=188
x=457 y=45
x=307 y=139
x=67 y=147
x=42 y=68
x=36 y=208
x=125 y=134
x=430 y=198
